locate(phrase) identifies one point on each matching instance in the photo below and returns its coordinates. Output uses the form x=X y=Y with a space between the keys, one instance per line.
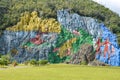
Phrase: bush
x=1 y=63
x=36 y=63
x=43 y=62
x=83 y=63
x=33 y=62
x=6 y=57
x=26 y=62
x=4 y=62
x=0 y=55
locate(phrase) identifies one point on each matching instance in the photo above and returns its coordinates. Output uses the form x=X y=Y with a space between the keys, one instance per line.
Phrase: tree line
x=10 y=11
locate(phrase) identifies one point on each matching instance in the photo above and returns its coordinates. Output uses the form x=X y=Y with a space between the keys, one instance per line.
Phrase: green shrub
x=1 y=63
x=83 y=63
x=4 y=62
x=6 y=57
x=26 y=62
x=0 y=55
x=43 y=62
x=33 y=62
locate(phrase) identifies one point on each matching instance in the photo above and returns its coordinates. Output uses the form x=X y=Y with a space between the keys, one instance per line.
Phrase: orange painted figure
x=106 y=43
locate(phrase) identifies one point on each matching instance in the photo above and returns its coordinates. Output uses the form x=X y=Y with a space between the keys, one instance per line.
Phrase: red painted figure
x=98 y=43
x=37 y=40
x=68 y=51
x=106 y=43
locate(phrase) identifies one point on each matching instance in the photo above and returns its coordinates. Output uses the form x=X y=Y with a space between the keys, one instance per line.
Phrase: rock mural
x=73 y=39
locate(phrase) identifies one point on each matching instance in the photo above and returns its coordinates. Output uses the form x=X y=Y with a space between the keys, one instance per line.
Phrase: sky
x=114 y=5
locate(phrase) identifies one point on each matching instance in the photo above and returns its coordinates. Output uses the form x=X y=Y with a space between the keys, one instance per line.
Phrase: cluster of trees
x=10 y=11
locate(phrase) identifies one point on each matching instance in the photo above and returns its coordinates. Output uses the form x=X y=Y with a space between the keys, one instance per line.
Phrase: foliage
x=0 y=55
x=10 y=11
x=4 y=60
x=33 y=62
x=6 y=57
x=26 y=62
x=43 y=62
x=83 y=63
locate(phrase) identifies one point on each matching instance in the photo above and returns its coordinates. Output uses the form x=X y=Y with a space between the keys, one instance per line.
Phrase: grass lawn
x=60 y=72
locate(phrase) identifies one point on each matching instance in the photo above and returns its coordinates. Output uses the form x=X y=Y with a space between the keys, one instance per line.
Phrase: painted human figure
x=37 y=40
x=68 y=51
x=106 y=49
x=76 y=32
x=98 y=43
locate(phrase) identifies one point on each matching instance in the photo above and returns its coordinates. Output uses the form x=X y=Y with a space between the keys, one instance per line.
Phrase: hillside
x=11 y=10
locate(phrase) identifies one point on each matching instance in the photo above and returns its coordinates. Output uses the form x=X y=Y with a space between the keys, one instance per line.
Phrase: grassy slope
x=61 y=72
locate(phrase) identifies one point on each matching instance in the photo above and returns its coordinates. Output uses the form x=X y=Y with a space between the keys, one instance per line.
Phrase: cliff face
x=75 y=21
x=18 y=43
x=11 y=41
x=75 y=31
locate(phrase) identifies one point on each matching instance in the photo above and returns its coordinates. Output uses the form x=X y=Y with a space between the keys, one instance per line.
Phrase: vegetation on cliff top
x=10 y=11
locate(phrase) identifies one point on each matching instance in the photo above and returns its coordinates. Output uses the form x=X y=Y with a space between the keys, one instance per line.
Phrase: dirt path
x=8 y=67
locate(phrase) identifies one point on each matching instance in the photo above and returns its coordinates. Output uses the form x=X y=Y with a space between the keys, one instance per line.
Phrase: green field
x=60 y=72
